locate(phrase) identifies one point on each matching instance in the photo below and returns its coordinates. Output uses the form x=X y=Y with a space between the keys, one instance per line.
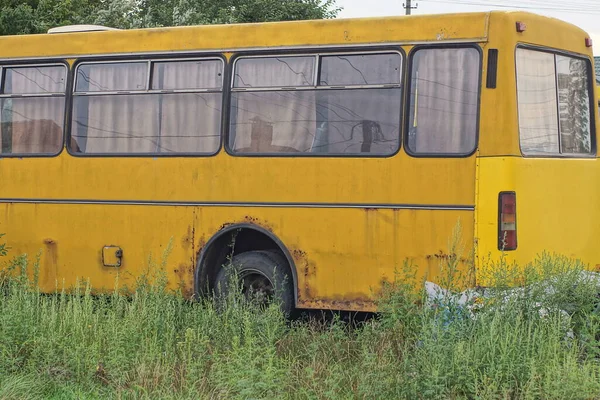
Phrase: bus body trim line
x=243 y=204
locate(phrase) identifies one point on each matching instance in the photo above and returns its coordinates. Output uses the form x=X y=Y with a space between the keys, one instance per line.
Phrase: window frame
x=150 y=59
x=66 y=96
x=415 y=49
x=593 y=106
x=317 y=53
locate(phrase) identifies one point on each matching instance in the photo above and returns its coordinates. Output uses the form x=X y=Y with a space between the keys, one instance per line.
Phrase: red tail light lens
x=507 y=221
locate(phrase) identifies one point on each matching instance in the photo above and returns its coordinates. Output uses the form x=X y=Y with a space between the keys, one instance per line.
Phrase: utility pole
x=408 y=7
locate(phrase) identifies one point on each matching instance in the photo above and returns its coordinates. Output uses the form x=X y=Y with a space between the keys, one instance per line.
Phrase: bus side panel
x=342 y=255
x=557 y=208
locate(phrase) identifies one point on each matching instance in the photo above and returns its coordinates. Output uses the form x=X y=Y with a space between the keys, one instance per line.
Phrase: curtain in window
x=115 y=123
x=536 y=90
x=33 y=124
x=189 y=122
x=118 y=124
x=149 y=122
x=444 y=97
x=354 y=120
x=273 y=121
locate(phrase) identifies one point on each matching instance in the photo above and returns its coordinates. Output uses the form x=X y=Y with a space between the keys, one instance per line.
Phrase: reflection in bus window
x=184 y=117
x=107 y=77
x=553 y=103
x=35 y=80
x=444 y=101
x=366 y=69
x=274 y=72
x=353 y=118
x=574 y=105
x=33 y=124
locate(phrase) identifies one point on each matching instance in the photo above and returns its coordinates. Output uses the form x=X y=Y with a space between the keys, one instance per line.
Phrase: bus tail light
x=507 y=221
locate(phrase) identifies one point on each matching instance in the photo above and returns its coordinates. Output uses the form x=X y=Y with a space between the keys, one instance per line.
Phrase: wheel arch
x=215 y=249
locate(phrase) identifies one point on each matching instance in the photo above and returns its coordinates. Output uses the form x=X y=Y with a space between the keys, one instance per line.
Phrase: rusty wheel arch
x=218 y=246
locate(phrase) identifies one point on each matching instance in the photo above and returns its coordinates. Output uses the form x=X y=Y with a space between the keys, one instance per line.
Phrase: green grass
x=154 y=344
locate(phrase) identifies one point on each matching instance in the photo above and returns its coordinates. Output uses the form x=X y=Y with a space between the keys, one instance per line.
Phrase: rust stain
x=255 y=221
x=248 y=219
x=187 y=240
x=199 y=247
x=441 y=255
x=193 y=239
x=185 y=275
x=350 y=304
x=306 y=268
x=50 y=260
x=225 y=225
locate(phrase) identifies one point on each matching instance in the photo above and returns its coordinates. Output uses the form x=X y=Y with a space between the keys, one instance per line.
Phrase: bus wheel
x=263 y=276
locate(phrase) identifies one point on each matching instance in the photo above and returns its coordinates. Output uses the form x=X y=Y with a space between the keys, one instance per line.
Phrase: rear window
x=553 y=103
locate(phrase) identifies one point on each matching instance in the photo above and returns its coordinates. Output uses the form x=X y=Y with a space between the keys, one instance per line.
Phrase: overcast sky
x=590 y=22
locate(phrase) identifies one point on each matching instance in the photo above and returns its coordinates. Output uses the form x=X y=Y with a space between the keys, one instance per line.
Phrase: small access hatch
x=112 y=256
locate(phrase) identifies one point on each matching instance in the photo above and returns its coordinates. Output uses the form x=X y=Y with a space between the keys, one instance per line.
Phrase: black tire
x=267 y=270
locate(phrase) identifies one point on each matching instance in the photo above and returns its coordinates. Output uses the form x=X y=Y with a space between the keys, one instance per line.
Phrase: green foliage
x=155 y=344
x=37 y=16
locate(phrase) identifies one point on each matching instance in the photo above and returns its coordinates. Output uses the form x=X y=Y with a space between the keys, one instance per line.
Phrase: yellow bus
x=328 y=152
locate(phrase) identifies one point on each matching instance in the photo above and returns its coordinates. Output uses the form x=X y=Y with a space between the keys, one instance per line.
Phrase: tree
x=36 y=16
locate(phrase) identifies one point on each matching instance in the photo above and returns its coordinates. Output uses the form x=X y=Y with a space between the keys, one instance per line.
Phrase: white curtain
x=149 y=122
x=190 y=122
x=273 y=121
x=327 y=120
x=115 y=123
x=444 y=96
x=537 y=102
x=34 y=124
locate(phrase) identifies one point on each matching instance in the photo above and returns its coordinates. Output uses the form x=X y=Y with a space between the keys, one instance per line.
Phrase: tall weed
x=539 y=341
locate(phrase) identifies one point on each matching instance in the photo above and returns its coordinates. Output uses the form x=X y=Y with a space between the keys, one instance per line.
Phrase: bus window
x=350 y=106
x=444 y=101
x=107 y=77
x=33 y=104
x=554 y=103
x=182 y=75
x=274 y=72
x=117 y=110
x=372 y=69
